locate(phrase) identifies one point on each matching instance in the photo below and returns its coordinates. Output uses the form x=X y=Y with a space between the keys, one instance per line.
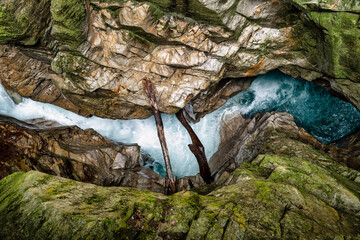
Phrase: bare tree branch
x=196 y=148
x=170 y=185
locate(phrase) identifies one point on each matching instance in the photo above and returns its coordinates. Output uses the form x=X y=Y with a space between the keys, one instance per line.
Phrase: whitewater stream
x=325 y=117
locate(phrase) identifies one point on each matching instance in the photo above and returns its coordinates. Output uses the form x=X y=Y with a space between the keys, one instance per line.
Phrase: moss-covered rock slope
x=273 y=197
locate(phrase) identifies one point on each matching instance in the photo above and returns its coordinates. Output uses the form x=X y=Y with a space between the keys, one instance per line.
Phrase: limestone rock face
x=70 y=152
x=98 y=51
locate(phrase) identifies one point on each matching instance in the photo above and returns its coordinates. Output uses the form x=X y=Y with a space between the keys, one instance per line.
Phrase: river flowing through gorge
x=325 y=117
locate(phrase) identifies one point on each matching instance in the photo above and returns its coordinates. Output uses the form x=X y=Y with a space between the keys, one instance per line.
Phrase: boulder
x=242 y=140
x=71 y=152
x=274 y=196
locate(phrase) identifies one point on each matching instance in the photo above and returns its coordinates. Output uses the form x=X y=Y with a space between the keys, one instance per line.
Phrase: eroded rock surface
x=242 y=140
x=276 y=196
x=27 y=73
x=99 y=50
x=70 y=152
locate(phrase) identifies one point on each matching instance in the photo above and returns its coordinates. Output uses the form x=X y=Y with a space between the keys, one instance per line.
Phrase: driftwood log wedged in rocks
x=78 y=154
x=196 y=148
x=170 y=183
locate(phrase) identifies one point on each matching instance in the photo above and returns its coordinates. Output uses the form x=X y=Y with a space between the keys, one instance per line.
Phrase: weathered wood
x=170 y=185
x=196 y=148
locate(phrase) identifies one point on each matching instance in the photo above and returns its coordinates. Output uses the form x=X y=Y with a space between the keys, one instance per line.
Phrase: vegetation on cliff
x=275 y=196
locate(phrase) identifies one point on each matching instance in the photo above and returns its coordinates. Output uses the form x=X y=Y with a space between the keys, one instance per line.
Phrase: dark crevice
x=36 y=52
x=225 y=228
x=286 y=209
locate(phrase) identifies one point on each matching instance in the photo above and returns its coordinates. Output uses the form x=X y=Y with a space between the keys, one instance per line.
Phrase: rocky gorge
x=274 y=178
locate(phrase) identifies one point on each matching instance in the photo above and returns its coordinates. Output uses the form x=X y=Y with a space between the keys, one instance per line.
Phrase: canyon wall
x=89 y=56
x=272 y=179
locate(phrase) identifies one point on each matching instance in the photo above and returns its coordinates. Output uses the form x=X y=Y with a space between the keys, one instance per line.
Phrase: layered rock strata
x=70 y=152
x=86 y=156
x=99 y=50
x=242 y=140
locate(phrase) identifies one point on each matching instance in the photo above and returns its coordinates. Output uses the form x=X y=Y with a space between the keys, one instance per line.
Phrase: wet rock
x=215 y=97
x=100 y=51
x=70 y=152
x=243 y=139
x=274 y=196
x=23 y=21
x=83 y=155
x=29 y=77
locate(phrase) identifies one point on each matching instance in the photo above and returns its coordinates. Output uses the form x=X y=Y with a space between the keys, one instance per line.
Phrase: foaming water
x=142 y=132
x=327 y=118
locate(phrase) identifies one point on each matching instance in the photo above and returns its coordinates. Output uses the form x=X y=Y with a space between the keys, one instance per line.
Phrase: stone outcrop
x=242 y=140
x=306 y=196
x=78 y=154
x=70 y=152
x=27 y=73
x=86 y=156
x=97 y=51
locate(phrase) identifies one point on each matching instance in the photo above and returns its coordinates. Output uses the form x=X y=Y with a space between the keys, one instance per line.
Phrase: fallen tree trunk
x=170 y=185
x=196 y=148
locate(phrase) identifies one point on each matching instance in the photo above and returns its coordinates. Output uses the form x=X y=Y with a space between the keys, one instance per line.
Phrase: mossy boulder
x=341 y=43
x=273 y=197
x=328 y=33
x=23 y=21
x=69 y=22
x=332 y=5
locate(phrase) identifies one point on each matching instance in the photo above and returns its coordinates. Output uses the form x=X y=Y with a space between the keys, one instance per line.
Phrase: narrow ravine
x=326 y=117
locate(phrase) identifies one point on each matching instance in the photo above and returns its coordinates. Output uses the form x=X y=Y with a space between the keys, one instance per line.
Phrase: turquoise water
x=327 y=118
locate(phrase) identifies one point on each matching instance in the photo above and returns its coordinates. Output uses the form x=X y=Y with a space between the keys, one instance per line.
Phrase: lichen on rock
x=23 y=21
x=270 y=197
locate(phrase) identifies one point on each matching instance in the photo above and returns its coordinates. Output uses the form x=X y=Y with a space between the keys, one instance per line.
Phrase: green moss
x=69 y=63
x=295 y=199
x=45 y=179
x=69 y=18
x=185 y=207
x=202 y=14
x=306 y=38
x=155 y=11
x=258 y=171
x=333 y=5
x=191 y=9
x=143 y=40
x=94 y=199
x=265 y=191
x=11 y=28
x=331 y=42
x=161 y=4
x=342 y=43
x=23 y=21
